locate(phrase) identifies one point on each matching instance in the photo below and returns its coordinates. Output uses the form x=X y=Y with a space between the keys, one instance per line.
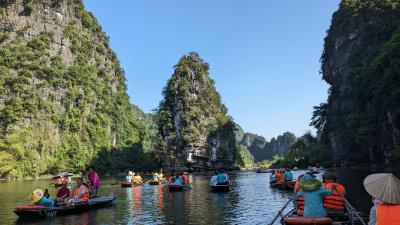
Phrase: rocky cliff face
x=361 y=119
x=196 y=131
x=261 y=149
x=63 y=98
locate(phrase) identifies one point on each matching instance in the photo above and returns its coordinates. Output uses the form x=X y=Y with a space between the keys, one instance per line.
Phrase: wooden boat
x=263 y=170
x=220 y=188
x=126 y=184
x=129 y=184
x=288 y=186
x=292 y=218
x=35 y=211
x=175 y=188
x=154 y=182
x=308 y=220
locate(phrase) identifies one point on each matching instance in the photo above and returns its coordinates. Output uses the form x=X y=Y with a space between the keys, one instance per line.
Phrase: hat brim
x=384 y=187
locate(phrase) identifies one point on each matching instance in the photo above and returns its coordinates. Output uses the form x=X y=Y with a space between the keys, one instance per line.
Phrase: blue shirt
x=178 y=181
x=313 y=205
x=48 y=202
x=288 y=176
x=128 y=178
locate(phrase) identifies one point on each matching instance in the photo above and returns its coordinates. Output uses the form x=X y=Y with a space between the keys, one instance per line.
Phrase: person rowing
x=313 y=193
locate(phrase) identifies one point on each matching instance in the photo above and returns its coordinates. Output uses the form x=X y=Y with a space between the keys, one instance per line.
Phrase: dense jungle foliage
x=306 y=151
x=56 y=116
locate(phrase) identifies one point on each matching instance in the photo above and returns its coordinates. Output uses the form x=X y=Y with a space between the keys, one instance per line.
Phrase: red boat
x=37 y=211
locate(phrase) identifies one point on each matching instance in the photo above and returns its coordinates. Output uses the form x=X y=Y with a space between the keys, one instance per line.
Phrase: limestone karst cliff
x=195 y=129
x=63 y=100
x=360 y=121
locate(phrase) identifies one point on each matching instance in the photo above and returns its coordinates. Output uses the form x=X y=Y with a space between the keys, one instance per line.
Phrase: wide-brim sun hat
x=309 y=183
x=35 y=196
x=130 y=173
x=384 y=187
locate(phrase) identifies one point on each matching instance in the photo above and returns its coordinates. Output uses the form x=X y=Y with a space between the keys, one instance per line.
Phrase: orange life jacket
x=300 y=205
x=387 y=214
x=78 y=192
x=136 y=179
x=336 y=200
x=280 y=178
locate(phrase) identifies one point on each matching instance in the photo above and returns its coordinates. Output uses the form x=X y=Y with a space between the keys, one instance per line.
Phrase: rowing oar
x=348 y=205
x=283 y=208
x=354 y=210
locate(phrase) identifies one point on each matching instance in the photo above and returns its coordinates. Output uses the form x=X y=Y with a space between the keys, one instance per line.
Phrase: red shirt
x=63 y=191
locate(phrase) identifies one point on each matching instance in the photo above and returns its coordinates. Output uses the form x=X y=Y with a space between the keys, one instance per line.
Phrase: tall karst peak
x=195 y=127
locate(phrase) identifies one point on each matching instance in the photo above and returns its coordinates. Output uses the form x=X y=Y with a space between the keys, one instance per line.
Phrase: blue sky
x=263 y=54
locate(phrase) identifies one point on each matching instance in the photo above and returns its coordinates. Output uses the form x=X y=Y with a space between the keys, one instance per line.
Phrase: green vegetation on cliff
x=361 y=62
x=63 y=100
x=193 y=123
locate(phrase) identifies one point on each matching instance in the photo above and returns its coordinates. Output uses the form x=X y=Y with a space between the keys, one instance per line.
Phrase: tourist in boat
x=280 y=176
x=137 y=179
x=161 y=176
x=178 y=180
x=222 y=178
x=80 y=193
x=37 y=198
x=94 y=181
x=313 y=193
x=384 y=188
x=185 y=178
x=63 y=193
x=129 y=176
x=334 y=204
x=155 y=176
x=288 y=176
x=272 y=177
x=171 y=178
x=213 y=180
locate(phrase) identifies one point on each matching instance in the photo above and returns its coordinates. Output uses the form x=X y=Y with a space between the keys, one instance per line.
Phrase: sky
x=263 y=54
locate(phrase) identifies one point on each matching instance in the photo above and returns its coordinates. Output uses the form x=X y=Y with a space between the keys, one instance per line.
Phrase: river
x=250 y=201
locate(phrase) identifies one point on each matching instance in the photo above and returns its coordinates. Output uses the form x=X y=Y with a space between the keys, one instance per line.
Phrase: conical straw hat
x=383 y=186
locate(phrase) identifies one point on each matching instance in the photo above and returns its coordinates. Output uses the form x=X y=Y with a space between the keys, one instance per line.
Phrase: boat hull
x=220 y=188
x=45 y=212
x=175 y=188
x=284 y=187
x=154 y=182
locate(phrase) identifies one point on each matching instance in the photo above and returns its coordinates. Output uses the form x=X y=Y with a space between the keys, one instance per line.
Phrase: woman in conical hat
x=37 y=198
x=385 y=190
x=313 y=193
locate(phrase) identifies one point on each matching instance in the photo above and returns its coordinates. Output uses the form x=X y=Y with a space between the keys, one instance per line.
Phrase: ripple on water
x=250 y=201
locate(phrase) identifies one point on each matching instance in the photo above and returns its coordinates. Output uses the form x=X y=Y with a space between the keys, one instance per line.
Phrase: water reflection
x=250 y=201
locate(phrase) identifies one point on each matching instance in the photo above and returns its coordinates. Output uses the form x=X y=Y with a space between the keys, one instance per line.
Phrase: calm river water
x=250 y=201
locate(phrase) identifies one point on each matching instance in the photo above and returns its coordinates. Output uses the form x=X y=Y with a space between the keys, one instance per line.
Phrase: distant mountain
x=261 y=149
